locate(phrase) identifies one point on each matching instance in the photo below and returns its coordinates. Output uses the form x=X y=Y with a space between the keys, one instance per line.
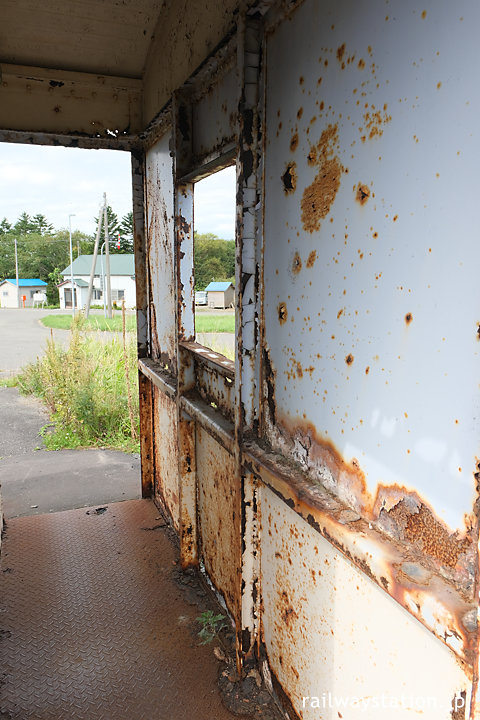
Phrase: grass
x=10 y=381
x=94 y=322
x=214 y=323
x=203 y=323
x=85 y=389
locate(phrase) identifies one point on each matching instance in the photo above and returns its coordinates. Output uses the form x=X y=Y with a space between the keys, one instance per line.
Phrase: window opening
x=214 y=258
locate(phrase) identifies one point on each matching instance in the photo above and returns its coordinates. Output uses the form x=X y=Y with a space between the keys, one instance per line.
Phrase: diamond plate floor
x=93 y=625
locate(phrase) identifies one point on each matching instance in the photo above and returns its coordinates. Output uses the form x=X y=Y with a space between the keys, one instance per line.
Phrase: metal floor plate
x=93 y=625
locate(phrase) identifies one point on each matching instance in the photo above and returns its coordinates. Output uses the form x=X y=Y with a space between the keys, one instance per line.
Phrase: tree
x=54 y=279
x=5 y=227
x=126 y=234
x=214 y=259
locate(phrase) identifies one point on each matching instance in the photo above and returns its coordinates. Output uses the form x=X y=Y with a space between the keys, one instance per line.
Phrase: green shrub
x=84 y=386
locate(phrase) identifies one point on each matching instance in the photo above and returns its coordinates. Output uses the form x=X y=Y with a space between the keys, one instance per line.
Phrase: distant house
x=13 y=297
x=220 y=294
x=122 y=281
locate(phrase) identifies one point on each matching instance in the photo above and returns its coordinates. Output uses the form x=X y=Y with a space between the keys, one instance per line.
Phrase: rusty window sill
x=158 y=376
x=211 y=359
x=210 y=419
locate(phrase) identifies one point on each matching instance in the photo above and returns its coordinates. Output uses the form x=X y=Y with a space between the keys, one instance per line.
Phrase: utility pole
x=107 y=258
x=16 y=273
x=71 y=262
x=94 y=261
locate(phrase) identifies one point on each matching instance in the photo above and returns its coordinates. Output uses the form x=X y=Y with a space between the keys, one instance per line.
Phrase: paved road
x=35 y=481
x=23 y=337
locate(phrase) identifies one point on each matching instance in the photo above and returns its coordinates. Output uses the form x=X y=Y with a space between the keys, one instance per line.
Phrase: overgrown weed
x=85 y=389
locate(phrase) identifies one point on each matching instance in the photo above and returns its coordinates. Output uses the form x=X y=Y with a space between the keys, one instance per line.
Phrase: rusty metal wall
x=160 y=252
x=370 y=312
x=332 y=635
x=326 y=481
x=311 y=494
x=166 y=479
x=219 y=521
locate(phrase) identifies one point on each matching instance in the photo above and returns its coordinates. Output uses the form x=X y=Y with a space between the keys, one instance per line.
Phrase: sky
x=57 y=182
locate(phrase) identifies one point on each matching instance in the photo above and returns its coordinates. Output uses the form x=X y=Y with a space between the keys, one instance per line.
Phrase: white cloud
x=57 y=181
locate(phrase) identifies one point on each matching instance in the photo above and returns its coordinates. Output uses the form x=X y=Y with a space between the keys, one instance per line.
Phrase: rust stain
x=299 y=112
x=282 y=313
x=349 y=359
x=289 y=178
x=374 y=121
x=341 y=54
x=401 y=513
x=424 y=14
x=363 y=193
x=408 y=318
x=311 y=259
x=294 y=142
x=319 y=196
x=424 y=530
x=361 y=64
x=297 y=263
x=287 y=612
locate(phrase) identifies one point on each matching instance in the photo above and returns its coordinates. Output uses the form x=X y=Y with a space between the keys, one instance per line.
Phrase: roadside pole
x=107 y=259
x=16 y=273
x=94 y=261
x=71 y=262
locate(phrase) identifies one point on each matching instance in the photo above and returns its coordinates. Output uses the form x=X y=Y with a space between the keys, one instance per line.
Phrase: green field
x=94 y=322
x=203 y=323
x=214 y=323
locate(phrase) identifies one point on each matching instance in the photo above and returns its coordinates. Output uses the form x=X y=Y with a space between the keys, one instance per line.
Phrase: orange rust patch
x=339 y=314
x=361 y=64
x=374 y=122
x=294 y=142
x=424 y=14
x=311 y=259
x=349 y=359
x=341 y=53
x=297 y=263
x=301 y=79
x=423 y=529
x=312 y=156
x=299 y=112
x=319 y=196
x=367 y=369
x=282 y=313
x=408 y=318
x=363 y=193
x=289 y=178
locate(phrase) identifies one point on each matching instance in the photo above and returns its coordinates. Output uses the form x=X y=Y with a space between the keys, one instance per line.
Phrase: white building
x=23 y=296
x=122 y=281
